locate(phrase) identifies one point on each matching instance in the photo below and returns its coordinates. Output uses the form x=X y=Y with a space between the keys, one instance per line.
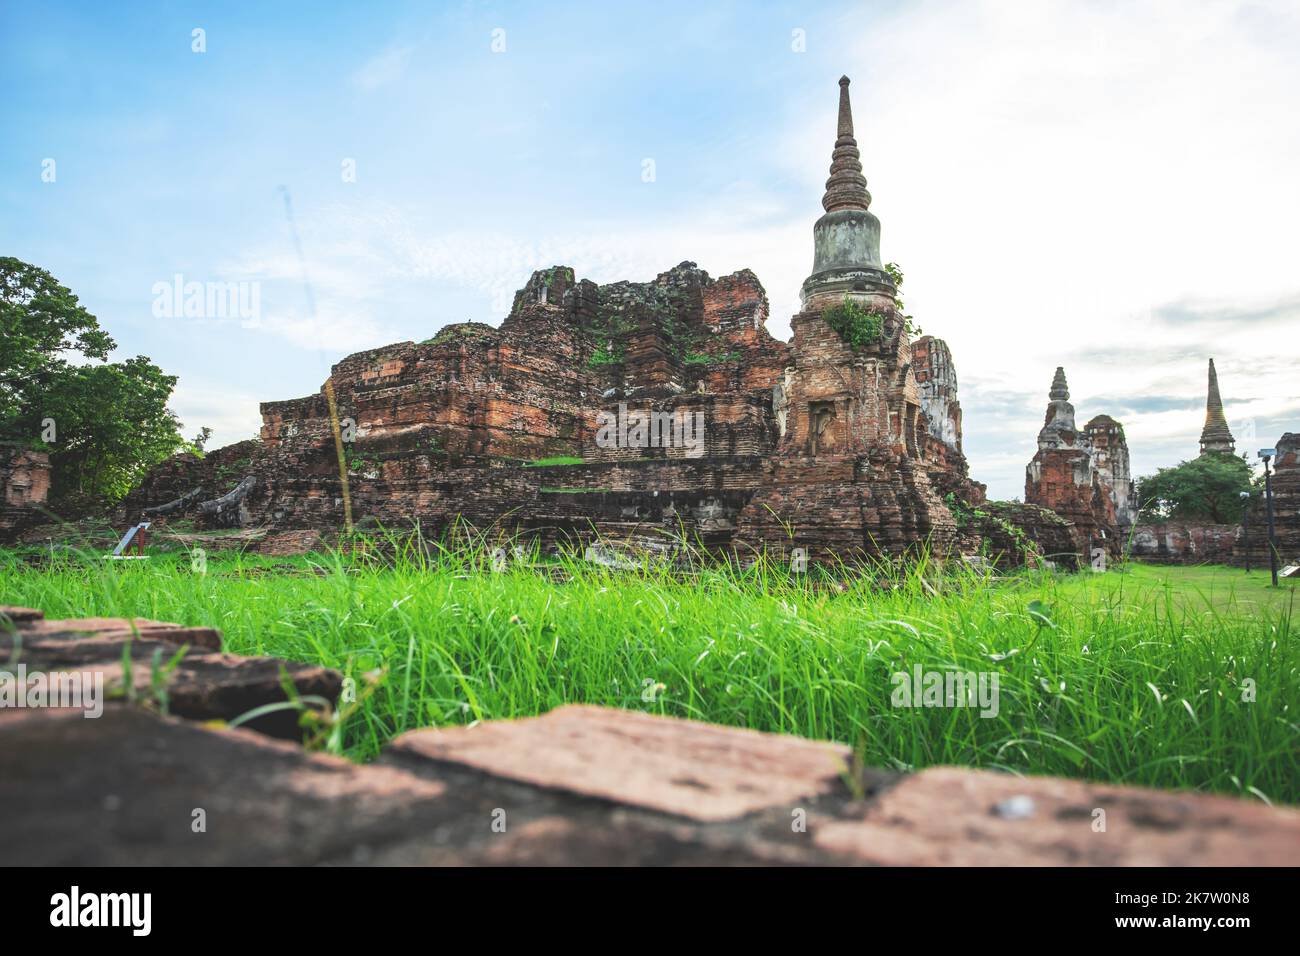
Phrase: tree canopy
x=1207 y=488
x=104 y=423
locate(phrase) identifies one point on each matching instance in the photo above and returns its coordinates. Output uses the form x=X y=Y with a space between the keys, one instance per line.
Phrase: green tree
x=41 y=325
x=110 y=421
x=113 y=424
x=1207 y=488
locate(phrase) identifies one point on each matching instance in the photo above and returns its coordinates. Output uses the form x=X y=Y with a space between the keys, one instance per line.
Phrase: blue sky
x=1107 y=187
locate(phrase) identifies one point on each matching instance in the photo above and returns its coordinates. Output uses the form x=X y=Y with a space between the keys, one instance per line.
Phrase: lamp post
x=1245 y=527
x=1266 y=454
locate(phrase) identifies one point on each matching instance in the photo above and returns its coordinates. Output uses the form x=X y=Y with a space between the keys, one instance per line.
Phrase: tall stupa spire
x=1060 y=391
x=846 y=240
x=847 y=187
x=1215 y=436
x=1059 y=430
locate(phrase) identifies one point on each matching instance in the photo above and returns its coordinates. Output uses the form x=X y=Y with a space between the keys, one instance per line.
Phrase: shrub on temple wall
x=853 y=322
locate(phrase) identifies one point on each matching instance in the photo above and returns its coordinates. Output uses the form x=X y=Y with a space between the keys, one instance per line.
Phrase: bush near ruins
x=1207 y=488
x=857 y=325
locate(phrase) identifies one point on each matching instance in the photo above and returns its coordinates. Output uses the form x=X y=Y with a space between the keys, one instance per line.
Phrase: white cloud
x=232 y=416
x=382 y=69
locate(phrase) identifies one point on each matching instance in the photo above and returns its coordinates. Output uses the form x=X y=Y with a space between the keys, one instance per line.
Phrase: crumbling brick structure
x=936 y=380
x=1105 y=436
x=1286 y=510
x=1082 y=476
x=25 y=483
x=1180 y=542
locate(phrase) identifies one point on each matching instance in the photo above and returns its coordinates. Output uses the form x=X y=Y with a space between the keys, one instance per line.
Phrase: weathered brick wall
x=1065 y=481
x=1110 y=457
x=1181 y=543
x=936 y=380
x=25 y=485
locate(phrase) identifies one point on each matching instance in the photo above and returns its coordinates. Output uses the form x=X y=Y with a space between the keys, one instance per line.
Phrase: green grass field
x=1168 y=677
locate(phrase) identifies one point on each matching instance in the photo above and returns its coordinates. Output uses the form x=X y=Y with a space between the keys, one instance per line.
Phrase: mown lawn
x=1169 y=677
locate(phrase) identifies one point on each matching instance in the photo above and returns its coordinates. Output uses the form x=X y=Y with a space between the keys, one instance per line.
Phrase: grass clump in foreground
x=1166 y=677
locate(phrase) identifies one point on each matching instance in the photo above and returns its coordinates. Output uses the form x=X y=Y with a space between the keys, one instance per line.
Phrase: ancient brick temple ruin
x=643 y=412
x=1083 y=476
x=662 y=412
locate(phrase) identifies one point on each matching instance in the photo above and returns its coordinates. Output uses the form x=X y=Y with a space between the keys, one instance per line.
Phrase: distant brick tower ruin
x=1082 y=476
x=1215 y=436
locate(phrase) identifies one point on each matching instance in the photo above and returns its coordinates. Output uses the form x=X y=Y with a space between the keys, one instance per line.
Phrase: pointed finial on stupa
x=847 y=187
x=1060 y=392
x=1215 y=436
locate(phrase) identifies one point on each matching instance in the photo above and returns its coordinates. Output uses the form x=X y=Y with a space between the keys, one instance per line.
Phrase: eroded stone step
x=40 y=632
x=204 y=685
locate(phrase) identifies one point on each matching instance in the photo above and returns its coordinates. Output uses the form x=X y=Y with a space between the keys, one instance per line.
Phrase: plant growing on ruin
x=555 y=461
x=548 y=277
x=961 y=515
x=896 y=276
x=605 y=356
x=853 y=322
x=358 y=463
x=157 y=695
x=459 y=332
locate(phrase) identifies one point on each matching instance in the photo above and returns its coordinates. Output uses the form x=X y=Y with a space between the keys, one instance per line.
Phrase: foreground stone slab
x=953 y=817
x=683 y=767
x=133 y=787
x=125 y=788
